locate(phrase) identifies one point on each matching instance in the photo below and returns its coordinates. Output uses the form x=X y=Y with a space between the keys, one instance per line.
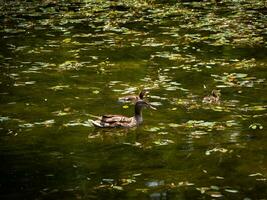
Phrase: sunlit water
x=63 y=63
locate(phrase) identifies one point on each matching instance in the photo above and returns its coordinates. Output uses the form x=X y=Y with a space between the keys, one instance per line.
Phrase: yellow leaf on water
x=67 y=40
x=95 y=92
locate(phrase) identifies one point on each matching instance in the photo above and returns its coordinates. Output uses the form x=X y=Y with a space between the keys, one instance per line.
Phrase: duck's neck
x=215 y=94
x=138 y=115
x=141 y=95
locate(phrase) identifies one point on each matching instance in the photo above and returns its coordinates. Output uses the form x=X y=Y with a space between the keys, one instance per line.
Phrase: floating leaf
x=138 y=174
x=95 y=92
x=173 y=125
x=198 y=134
x=256 y=174
x=235 y=80
x=60 y=113
x=30 y=82
x=59 y=87
x=125 y=106
x=203 y=189
x=222 y=150
x=142 y=190
x=214 y=187
x=116 y=187
x=185 y=183
x=2 y=119
x=127 y=181
x=255 y=126
x=215 y=194
x=155 y=103
x=163 y=133
x=162 y=142
x=46 y=123
x=231 y=190
x=27 y=125
x=157 y=97
x=67 y=40
x=153 y=129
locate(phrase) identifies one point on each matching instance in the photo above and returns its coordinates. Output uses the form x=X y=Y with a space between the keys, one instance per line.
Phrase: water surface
x=62 y=62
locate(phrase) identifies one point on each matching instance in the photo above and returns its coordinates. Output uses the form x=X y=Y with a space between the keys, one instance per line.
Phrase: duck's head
x=140 y=104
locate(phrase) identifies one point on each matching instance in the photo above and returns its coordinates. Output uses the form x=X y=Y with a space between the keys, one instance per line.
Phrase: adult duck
x=111 y=121
x=133 y=98
x=213 y=98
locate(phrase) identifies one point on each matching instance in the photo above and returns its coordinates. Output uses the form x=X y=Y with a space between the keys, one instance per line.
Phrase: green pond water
x=62 y=62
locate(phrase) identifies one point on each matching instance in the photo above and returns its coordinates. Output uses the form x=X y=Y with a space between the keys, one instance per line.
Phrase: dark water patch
x=64 y=62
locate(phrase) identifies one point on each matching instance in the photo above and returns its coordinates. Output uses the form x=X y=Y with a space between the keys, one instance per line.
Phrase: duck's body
x=111 y=121
x=133 y=98
x=214 y=98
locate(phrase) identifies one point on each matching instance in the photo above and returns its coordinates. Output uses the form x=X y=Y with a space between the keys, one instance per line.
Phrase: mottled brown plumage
x=214 y=98
x=111 y=121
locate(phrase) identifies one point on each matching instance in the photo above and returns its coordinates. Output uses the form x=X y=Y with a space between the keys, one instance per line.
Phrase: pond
x=64 y=62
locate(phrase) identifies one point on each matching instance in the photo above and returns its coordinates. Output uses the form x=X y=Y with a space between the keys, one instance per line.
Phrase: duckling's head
x=216 y=93
x=143 y=93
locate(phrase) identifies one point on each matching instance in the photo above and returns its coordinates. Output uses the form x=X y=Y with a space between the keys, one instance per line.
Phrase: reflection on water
x=63 y=63
x=158 y=196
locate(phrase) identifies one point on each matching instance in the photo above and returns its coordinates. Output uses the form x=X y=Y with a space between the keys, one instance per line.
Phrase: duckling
x=111 y=121
x=133 y=98
x=214 y=98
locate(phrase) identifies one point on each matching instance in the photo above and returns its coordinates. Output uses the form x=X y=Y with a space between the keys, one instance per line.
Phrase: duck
x=133 y=98
x=112 y=121
x=214 y=98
